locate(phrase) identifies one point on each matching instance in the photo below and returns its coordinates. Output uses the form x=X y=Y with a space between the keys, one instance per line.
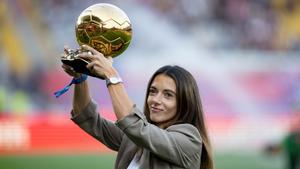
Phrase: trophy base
x=78 y=64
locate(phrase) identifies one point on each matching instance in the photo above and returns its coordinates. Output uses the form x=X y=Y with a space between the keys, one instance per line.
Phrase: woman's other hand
x=70 y=71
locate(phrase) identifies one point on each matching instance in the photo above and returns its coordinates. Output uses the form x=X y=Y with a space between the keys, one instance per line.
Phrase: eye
x=169 y=95
x=152 y=91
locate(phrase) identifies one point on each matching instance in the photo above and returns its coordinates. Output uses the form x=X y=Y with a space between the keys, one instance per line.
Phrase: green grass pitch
x=106 y=161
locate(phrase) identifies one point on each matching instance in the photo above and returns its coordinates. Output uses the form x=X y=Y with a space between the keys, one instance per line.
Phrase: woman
x=169 y=134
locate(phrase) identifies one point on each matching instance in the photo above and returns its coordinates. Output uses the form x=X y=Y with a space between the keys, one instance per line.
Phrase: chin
x=154 y=120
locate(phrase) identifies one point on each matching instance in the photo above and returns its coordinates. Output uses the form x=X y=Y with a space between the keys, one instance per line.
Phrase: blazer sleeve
x=179 y=144
x=103 y=130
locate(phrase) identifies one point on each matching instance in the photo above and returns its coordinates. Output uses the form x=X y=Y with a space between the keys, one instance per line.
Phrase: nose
x=157 y=98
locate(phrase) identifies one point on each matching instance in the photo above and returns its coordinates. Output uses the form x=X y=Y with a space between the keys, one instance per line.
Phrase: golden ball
x=104 y=27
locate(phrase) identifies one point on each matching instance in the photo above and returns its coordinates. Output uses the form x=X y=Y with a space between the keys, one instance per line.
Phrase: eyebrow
x=167 y=90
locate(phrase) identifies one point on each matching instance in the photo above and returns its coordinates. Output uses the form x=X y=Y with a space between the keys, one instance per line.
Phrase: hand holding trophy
x=105 y=30
x=104 y=27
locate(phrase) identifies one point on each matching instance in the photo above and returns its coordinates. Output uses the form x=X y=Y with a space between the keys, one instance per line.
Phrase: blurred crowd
x=246 y=24
x=262 y=24
x=33 y=33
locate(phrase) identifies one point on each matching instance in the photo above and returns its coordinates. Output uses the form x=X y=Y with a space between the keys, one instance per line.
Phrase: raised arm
x=81 y=91
x=102 y=67
x=85 y=115
x=81 y=97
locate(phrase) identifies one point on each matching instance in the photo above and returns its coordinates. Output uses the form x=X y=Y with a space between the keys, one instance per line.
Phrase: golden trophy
x=104 y=27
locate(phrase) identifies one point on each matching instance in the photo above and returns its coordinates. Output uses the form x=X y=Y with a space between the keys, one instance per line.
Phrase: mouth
x=155 y=109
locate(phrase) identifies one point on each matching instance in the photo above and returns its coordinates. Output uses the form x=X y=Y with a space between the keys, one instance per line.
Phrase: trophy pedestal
x=78 y=64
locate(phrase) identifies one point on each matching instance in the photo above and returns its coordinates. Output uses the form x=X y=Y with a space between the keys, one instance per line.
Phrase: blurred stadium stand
x=243 y=53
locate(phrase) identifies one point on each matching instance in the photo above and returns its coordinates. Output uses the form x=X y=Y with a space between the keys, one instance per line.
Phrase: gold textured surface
x=104 y=27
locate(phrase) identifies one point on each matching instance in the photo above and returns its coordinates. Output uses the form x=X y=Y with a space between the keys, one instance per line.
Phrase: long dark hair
x=189 y=106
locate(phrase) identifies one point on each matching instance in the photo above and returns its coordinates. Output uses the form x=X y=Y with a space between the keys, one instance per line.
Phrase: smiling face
x=161 y=101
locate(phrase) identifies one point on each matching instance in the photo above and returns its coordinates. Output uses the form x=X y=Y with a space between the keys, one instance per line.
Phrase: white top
x=135 y=163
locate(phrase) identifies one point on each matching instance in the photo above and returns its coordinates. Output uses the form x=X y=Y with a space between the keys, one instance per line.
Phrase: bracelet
x=78 y=80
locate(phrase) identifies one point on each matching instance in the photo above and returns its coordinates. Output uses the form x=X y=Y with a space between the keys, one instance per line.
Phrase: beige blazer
x=178 y=146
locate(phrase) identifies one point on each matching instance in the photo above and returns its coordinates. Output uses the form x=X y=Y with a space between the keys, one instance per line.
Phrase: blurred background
x=244 y=55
